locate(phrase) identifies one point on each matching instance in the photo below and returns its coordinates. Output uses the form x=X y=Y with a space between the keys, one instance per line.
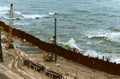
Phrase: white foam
x=100 y=56
x=107 y=56
x=114 y=36
x=95 y=54
x=52 y=13
x=91 y=53
x=18 y=12
x=71 y=43
x=4 y=8
x=97 y=35
x=115 y=60
x=34 y=16
x=6 y=17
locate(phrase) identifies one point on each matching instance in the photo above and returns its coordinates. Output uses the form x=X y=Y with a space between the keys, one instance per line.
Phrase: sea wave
x=34 y=16
x=91 y=53
x=82 y=11
x=21 y=24
x=52 y=13
x=7 y=18
x=3 y=11
x=95 y=54
x=113 y=37
x=4 y=8
x=116 y=29
x=114 y=58
x=71 y=44
x=18 y=12
x=101 y=36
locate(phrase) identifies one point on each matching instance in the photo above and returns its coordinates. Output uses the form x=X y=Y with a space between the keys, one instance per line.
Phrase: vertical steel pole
x=10 y=28
x=1 y=54
x=11 y=15
x=11 y=20
x=55 y=39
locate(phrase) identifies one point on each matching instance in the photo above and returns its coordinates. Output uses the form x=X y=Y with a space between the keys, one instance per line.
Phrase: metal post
x=11 y=21
x=55 y=39
x=1 y=56
x=10 y=28
x=11 y=15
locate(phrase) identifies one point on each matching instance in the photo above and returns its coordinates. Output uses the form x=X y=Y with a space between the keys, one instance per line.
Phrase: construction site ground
x=12 y=66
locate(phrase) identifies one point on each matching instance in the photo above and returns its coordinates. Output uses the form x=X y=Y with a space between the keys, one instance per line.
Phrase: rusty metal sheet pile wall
x=95 y=63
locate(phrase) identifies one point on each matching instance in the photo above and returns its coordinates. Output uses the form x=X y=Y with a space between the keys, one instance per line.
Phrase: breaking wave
x=18 y=12
x=104 y=56
x=115 y=60
x=91 y=53
x=98 y=36
x=114 y=36
x=116 y=29
x=71 y=44
x=34 y=16
x=52 y=13
x=95 y=54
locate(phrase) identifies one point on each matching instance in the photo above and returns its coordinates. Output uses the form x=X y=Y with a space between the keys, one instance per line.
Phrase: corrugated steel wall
x=94 y=63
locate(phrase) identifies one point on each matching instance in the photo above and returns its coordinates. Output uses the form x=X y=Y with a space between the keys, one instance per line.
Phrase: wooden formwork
x=42 y=69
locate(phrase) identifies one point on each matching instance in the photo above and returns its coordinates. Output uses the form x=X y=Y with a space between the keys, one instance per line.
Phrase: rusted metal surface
x=94 y=63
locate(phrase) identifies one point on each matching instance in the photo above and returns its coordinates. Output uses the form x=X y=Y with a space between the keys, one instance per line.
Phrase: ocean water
x=92 y=26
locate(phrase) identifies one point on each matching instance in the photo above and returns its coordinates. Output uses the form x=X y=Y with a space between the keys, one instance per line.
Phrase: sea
x=91 y=26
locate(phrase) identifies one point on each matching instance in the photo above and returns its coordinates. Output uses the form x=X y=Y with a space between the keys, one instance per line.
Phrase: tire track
x=14 y=65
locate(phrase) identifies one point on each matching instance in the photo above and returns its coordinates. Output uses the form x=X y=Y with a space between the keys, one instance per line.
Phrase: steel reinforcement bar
x=95 y=63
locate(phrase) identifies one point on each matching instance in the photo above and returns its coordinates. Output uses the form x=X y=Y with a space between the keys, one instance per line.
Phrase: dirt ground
x=13 y=68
